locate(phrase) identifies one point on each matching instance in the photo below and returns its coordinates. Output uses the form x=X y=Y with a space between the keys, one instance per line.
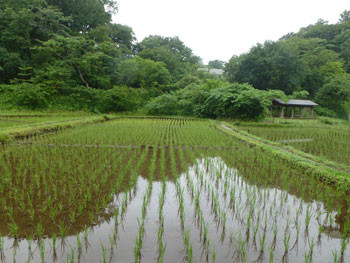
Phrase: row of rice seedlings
x=195 y=192
x=180 y=195
x=160 y=234
x=146 y=200
x=122 y=208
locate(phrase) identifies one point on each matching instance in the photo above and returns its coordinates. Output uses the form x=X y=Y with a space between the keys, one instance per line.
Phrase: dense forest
x=69 y=55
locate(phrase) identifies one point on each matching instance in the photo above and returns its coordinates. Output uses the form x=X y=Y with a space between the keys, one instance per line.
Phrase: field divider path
x=337 y=175
x=183 y=147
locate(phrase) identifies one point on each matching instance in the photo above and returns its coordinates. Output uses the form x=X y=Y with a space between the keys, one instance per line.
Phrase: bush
x=26 y=95
x=238 y=101
x=119 y=99
x=326 y=120
x=325 y=112
x=163 y=105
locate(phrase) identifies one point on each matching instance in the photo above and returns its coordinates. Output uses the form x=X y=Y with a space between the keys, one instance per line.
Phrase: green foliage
x=143 y=73
x=216 y=64
x=240 y=101
x=273 y=65
x=335 y=94
x=326 y=120
x=163 y=105
x=214 y=99
x=74 y=58
x=26 y=95
x=303 y=94
x=85 y=14
x=177 y=58
x=119 y=99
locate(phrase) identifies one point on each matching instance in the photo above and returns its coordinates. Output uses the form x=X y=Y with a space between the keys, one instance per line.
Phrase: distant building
x=296 y=106
x=214 y=71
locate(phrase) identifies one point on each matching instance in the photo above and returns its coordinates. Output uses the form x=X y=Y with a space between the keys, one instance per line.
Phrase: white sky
x=222 y=28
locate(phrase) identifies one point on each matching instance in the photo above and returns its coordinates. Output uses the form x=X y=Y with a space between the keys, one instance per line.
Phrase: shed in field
x=293 y=105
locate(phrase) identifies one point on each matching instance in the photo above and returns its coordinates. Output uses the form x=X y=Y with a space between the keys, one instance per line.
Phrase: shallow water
x=231 y=240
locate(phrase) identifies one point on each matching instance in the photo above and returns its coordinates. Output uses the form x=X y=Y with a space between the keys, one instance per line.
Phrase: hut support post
x=292 y=112
x=282 y=112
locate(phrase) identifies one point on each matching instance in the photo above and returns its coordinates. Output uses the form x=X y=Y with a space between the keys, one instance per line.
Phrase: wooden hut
x=293 y=105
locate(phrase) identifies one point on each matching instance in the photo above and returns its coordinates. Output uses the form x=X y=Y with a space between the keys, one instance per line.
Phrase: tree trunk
x=81 y=76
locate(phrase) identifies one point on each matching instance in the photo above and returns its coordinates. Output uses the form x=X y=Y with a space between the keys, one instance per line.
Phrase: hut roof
x=278 y=101
x=305 y=103
x=301 y=103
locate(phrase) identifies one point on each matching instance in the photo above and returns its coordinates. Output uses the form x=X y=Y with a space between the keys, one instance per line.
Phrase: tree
x=239 y=101
x=335 y=94
x=216 y=64
x=345 y=16
x=143 y=73
x=85 y=14
x=274 y=65
x=177 y=57
x=75 y=59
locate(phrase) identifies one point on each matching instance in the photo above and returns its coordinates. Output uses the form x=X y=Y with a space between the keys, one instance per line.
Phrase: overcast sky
x=222 y=28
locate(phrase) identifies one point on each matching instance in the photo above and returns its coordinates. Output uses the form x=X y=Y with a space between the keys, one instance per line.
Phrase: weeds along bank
x=171 y=190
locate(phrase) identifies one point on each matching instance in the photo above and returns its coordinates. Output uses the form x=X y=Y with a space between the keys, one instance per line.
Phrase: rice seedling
x=42 y=251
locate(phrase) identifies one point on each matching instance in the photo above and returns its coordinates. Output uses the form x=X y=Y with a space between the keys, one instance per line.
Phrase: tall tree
x=86 y=14
x=216 y=64
x=177 y=57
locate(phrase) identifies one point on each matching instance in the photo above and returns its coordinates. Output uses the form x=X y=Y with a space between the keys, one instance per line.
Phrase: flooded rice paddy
x=167 y=191
x=330 y=143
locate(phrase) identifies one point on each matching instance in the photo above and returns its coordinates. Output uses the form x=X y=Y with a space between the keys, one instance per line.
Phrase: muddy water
x=245 y=221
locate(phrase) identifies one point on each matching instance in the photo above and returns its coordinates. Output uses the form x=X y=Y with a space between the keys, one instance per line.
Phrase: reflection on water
x=215 y=208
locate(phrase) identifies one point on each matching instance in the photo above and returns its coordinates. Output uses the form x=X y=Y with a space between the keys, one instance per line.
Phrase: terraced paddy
x=329 y=143
x=170 y=190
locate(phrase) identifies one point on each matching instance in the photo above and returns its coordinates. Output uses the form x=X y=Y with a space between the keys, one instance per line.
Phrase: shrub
x=119 y=99
x=163 y=105
x=26 y=95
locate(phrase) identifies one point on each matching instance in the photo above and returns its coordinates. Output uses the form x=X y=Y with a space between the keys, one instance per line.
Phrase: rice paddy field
x=19 y=120
x=162 y=190
x=327 y=142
